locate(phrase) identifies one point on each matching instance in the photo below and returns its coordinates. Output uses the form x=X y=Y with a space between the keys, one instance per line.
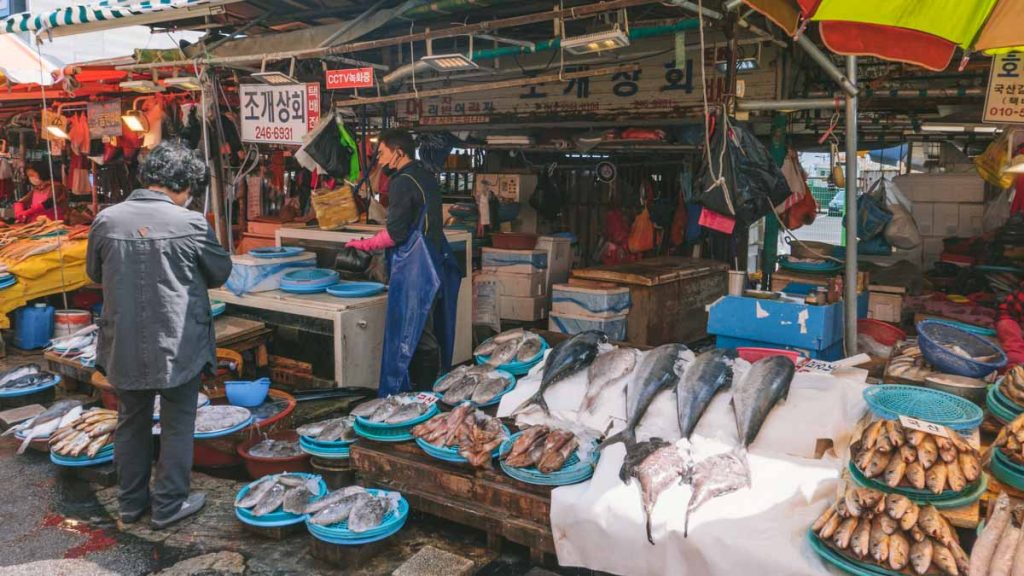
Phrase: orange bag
x=641 y=235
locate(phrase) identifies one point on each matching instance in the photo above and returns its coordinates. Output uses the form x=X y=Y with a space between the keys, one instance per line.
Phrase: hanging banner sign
x=51 y=118
x=104 y=118
x=279 y=114
x=1004 y=100
x=349 y=78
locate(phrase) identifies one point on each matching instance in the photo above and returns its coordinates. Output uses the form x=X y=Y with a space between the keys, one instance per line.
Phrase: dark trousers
x=425 y=366
x=133 y=448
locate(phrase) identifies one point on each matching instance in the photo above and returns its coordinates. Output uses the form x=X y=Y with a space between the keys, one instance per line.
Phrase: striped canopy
x=922 y=32
x=85 y=13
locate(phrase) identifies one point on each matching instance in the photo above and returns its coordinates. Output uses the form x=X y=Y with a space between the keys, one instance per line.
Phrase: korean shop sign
x=104 y=118
x=279 y=114
x=349 y=78
x=1004 y=101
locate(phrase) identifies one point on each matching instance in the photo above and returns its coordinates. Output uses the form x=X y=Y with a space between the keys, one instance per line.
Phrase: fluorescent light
x=597 y=42
x=742 y=65
x=274 y=78
x=135 y=121
x=184 y=83
x=144 y=86
x=959 y=128
x=449 y=62
x=57 y=132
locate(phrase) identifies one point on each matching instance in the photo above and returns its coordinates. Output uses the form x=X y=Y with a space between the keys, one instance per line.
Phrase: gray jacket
x=155 y=261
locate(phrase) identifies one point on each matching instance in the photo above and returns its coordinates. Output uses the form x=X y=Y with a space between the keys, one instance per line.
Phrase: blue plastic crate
x=830 y=354
x=784 y=323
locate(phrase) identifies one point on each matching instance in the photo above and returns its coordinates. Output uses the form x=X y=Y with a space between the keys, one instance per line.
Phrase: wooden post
x=216 y=174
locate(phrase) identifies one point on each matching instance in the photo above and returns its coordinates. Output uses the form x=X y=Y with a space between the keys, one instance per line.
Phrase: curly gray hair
x=174 y=165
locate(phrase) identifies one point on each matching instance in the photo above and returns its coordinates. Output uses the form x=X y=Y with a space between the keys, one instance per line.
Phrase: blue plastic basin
x=245 y=393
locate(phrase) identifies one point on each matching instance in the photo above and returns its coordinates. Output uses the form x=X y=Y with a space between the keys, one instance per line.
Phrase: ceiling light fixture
x=598 y=42
x=276 y=78
x=57 y=132
x=143 y=86
x=449 y=62
x=135 y=121
x=183 y=83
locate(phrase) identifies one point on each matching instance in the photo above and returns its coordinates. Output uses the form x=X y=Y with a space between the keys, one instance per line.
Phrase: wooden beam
x=605 y=71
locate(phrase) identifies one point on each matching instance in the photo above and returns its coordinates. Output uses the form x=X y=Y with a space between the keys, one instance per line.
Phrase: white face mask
x=35 y=180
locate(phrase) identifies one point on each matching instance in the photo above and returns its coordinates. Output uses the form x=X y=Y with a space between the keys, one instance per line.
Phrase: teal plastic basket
x=1000 y=406
x=493 y=401
x=451 y=453
x=823 y=267
x=392 y=435
x=948 y=499
x=890 y=401
x=280 y=517
x=1006 y=471
x=573 y=471
x=339 y=533
x=845 y=564
x=516 y=367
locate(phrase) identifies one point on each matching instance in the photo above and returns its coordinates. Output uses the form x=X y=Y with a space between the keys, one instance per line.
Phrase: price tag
x=821 y=366
x=922 y=426
x=425 y=398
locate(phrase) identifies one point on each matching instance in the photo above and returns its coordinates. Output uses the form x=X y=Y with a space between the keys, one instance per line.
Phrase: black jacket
x=405 y=200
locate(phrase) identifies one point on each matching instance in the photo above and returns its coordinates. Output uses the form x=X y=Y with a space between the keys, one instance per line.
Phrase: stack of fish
x=1000 y=547
x=362 y=510
x=472 y=432
x=543 y=448
x=24 y=377
x=909 y=363
x=274 y=448
x=512 y=346
x=1010 y=440
x=76 y=342
x=289 y=492
x=916 y=459
x=477 y=384
x=892 y=532
x=1012 y=385
x=60 y=414
x=88 y=434
x=394 y=409
x=333 y=430
x=215 y=418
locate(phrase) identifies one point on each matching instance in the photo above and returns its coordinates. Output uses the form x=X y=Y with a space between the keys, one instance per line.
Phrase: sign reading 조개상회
x=279 y=114
x=1004 y=100
x=349 y=78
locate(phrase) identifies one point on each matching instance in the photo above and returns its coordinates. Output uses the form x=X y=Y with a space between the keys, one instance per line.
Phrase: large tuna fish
x=754 y=396
x=563 y=361
x=711 y=372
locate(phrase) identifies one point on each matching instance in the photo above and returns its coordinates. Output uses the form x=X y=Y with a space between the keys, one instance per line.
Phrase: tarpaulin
x=41 y=275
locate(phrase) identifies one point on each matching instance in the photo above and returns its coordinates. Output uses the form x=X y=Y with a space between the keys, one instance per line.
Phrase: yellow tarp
x=41 y=275
x=955 y=20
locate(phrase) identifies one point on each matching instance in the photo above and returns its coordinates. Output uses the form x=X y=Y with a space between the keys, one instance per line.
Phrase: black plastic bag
x=352 y=260
x=751 y=184
x=547 y=198
x=328 y=151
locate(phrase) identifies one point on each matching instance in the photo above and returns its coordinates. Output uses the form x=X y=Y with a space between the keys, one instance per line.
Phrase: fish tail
x=623 y=437
x=537 y=398
x=686 y=519
x=24 y=444
x=650 y=538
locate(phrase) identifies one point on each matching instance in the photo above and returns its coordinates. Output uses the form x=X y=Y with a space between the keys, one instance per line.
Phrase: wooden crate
x=488 y=500
x=669 y=295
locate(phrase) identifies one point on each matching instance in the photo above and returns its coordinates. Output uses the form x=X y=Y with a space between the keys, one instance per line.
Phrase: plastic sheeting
x=41 y=275
x=599 y=524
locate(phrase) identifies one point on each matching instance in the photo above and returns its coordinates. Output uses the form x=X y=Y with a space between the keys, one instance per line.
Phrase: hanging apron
x=419 y=273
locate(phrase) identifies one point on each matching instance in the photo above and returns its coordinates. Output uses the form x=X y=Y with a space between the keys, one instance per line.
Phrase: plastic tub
x=934 y=335
x=514 y=241
x=882 y=332
x=752 y=354
x=223 y=452
x=245 y=393
x=33 y=327
x=258 y=466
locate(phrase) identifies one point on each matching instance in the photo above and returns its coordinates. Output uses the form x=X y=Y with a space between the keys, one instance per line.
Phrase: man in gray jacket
x=156 y=259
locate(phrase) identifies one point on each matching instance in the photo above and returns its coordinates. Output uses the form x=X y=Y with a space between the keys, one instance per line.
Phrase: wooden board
x=230 y=328
x=483 y=499
x=652 y=271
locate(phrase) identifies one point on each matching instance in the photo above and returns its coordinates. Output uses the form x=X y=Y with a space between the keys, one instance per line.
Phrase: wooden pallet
x=504 y=508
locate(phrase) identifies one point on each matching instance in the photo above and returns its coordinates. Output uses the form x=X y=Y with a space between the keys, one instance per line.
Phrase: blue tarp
x=889 y=156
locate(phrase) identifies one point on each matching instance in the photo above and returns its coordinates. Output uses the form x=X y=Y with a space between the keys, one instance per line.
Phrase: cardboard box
x=524 y=309
x=966 y=187
x=947 y=220
x=885 y=303
x=969 y=222
x=924 y=215
x=515 y=261
x=520 y=285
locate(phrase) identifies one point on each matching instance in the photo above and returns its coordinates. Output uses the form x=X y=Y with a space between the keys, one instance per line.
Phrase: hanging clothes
x=153 y=109
x=349 y=143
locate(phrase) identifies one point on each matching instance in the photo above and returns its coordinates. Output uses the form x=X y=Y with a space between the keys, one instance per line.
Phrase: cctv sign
x=349 y=78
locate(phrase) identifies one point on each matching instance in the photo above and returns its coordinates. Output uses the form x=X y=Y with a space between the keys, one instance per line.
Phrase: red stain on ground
x=96 y=539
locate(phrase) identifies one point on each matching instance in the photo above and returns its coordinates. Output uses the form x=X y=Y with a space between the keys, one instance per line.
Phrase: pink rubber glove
x=379 y=241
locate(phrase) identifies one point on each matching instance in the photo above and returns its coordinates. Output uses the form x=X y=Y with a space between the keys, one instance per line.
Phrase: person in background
x=156 y=260
x=38 y=202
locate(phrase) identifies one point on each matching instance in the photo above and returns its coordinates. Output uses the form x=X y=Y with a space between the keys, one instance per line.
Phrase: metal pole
x=850 y=282
x=788 y=105
x=848 y=86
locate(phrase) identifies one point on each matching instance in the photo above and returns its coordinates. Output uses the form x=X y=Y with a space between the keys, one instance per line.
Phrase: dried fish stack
x=1012 y=385
x=892 y=532
x=87 y=434
x=909 y=363
x=542 y=448
x=915 y=459
x=1010 y=440
x=999 y=549
x=472 y=432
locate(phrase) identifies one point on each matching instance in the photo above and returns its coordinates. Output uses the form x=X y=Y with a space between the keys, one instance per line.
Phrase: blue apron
x=419 y=273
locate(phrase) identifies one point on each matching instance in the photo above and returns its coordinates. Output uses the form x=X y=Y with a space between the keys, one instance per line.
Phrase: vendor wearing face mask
x=39 y=200
x=425 y=277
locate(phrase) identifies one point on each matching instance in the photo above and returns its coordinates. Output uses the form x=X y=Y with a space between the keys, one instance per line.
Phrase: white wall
x=101 y=45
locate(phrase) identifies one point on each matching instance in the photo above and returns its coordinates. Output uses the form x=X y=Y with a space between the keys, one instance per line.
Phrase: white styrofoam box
x=969 y=222
x=522 y=285
x=592 y=300
x=966 y=187
x=947 y=220
x=559 y=252
x=924 y=216
x=523 y=309
x=614 y=327
x=249 y=274
x=515 y=261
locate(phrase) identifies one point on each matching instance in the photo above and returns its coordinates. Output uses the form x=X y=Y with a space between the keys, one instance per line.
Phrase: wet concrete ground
x=54 y=522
